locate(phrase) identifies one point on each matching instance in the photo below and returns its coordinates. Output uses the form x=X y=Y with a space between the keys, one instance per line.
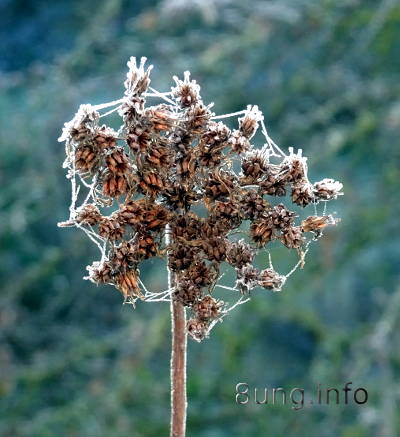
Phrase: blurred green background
x=73 y=360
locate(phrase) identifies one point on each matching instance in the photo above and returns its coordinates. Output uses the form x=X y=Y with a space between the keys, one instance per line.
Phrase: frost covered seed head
x=176 y=182
x=137 y=79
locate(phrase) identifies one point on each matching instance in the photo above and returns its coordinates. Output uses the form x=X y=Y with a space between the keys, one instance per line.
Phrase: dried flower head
x=82 y=127
x=186 y=92
x=165 y=185
x=248 y=124
x=197 y=329
x=271 y=280
x=88 y=214
x=239 y=254
x=110 y=228
x=137 y=79
x=327 y=189
x=207 y=308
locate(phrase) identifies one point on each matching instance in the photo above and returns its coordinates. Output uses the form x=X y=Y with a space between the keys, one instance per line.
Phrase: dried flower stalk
x=153 y=174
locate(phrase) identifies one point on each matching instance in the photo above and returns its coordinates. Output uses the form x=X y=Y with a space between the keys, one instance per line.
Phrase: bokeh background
x=74 y=361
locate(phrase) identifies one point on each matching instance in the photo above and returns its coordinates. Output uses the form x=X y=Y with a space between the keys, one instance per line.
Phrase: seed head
x=327 y=189
x=137 y=79
x=186 y=92
x=175 y=182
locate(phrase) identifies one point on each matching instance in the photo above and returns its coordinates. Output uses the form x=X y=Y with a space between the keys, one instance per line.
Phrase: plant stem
x=178 y=370
x=178 y=361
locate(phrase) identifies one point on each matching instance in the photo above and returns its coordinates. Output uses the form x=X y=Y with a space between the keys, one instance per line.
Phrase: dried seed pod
x=248 y=124
x=252 y=205
x=270 y=185
x=186 y=227
x=215 y=226
x=302 y=194
x=82 y=127
x=216 y=136
x=180 y=257
x=137 y=79
x=160 y=117
x=239 y=254
x=132 y=212
x=186 y=166
x=150 y=182
x=178 y=196
x=158 y=155
x=247 y=278
x=227 y=211
x=220 y=184
x=105 y=137
x=281 y=217
x=212 y=142
x=197 y=329
x=111 y=229
x=88 y=215
x=261 y=230
x=215 y=249
x=316 y=224
x=100 y=272
x=200 y=274
x=114 y=185
x=254 y=165
x=327 y=189
x=186 y=293
x=238 y=142
x=181 y=138
x=145 y=246
x=207 y=308
x=293 y=168
x=186 y=92
x=155 y=217
x=124 y=256
x=86 y=159
x=197 y=118
x=271 y=280
x=128 y=284
x=209 y=157
x=138 y=139
x=132 y=110
x=117 y=161
x=292 y=237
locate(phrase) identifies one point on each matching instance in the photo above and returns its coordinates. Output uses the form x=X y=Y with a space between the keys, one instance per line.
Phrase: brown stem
x=178 y=361
x=178 y=370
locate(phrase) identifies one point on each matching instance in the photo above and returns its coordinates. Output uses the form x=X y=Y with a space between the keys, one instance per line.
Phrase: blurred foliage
x=74 y=361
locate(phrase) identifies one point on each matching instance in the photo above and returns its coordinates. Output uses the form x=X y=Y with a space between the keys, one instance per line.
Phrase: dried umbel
x=186 y=92
x=207 y=308
x=239 y=254
x=197 y=329
x=110 y=228
x=254 y=166
x=164 y=185
x=271 y=280
x=88 y=214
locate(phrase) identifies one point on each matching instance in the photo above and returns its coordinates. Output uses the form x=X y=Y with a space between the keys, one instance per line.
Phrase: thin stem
x=178 y=359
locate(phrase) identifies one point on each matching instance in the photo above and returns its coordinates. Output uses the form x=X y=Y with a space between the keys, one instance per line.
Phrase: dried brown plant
x=141 y=189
